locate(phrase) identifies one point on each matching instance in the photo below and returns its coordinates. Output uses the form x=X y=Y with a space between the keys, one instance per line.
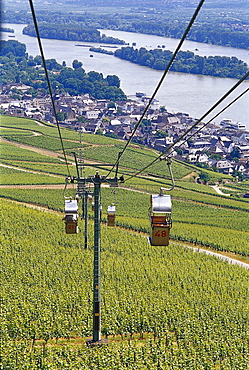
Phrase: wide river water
x=180 y=92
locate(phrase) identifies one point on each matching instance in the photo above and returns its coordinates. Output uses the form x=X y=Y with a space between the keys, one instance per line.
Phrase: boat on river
x=228 y=123
x=140 y=94
x=84 y=45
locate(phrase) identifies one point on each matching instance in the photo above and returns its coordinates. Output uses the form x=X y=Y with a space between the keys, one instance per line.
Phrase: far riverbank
x=181 y=92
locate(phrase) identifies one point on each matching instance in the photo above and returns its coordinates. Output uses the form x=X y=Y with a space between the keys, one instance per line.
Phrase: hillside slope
x=162 y=307
x=200 y=215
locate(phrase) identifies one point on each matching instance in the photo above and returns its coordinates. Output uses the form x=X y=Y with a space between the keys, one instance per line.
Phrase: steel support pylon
x=96 y=263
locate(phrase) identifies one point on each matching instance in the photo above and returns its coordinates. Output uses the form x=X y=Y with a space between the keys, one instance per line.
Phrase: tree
x=31 y=61
x=38 y=60
x=86 y=87
x=161 y=134
x=82 y=119
x=16 y=97
x=65 y=74
x=204 y=176
x=71 y=83
x=61 y=116
x=113 y=80
x=52 y=64
x=159 y=64
x=14 y=47
x=145 y=122
x=216 y=157
x=95 y=76
x=147 y=59
x=111 y=134
x=76 y=64
x=79 y=73
x=239 y=175
x=179 y=151
x=73 y=80
x=111 y=105
x=235 y=154
x=162 y=109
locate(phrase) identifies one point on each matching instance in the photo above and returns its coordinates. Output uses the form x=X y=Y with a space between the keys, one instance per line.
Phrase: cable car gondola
x=71 y=216
x=111 y=211
x=160 y=214
x=160 y=217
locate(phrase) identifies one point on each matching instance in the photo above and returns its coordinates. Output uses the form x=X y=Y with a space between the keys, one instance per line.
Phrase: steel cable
x=48 y=81
x=160 y=83
x=193 y=126
x=205 y=124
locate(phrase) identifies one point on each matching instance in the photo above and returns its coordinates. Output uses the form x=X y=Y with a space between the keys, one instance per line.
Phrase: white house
x=92 y=114
x=224 y=166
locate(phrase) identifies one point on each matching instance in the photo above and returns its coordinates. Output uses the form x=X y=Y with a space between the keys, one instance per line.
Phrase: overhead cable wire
x=160 y=82
x=48 y=81
x=221 y=111
x=193 y=126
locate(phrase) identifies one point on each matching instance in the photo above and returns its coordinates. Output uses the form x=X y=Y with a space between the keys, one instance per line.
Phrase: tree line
x=18 y=67
x=215 y=34
x=71 y=32
x=215 y=29
x=6 y=29
x=186 y=62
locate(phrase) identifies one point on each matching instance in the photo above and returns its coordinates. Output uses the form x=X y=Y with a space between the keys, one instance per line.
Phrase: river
x=180 y=92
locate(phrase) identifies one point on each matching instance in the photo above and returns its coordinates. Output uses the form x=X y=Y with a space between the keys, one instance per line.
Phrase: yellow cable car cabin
x=71 y=216
x=160 y=217
x=111 y=211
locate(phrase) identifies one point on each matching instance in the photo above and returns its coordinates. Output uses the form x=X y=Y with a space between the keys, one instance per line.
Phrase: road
x=220 y=256
x=217 y=189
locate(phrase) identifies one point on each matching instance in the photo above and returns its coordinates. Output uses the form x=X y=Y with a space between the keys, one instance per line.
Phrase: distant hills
x=218 y=22
x=156 y=4
x=144 y=2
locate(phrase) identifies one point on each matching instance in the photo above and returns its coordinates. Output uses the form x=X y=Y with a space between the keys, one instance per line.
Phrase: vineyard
x=180 y=308
x=162 y=307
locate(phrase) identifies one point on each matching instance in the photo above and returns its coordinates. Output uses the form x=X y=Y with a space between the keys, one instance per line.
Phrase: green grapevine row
x=194 y=306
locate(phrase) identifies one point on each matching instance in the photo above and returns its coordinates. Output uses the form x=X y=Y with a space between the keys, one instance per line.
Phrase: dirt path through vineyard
x=224 y=256
x=46 y=152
